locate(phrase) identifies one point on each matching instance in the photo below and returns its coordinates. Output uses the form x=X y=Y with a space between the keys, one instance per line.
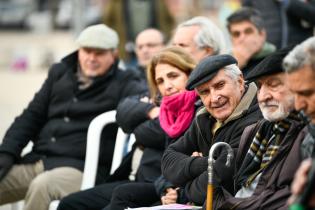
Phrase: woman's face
x=169 y=79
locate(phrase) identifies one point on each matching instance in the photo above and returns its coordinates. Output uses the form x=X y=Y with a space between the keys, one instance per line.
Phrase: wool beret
x=272 y=64
x=98 y=36
x=207 y=69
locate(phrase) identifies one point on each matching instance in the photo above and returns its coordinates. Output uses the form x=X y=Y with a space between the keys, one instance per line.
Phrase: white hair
x=302 y=55
x=209 y=35
x=233 y=71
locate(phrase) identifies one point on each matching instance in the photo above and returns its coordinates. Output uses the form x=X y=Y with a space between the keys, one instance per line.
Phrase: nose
x=263 y=94
x=240 y=38
x=299 y=103
x=92 y=56
x=168 y=86
x=214 y=97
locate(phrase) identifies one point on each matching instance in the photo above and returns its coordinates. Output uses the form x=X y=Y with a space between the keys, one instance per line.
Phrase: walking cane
x=211 y=161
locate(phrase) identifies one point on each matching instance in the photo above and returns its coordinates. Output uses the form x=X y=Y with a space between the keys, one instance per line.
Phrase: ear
x=115 y=53
x=209 y=50
x=264 y=34
x=241 y=81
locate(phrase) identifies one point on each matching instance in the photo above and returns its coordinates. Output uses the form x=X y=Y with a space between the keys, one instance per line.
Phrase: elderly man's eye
x=274 y=83
x=203 y=92
x=258 y=84
x=221 y=84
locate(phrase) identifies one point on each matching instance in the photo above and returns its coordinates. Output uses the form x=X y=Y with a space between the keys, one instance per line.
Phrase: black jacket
x=58 y=116
x=273 y=188
x=191 y=172
x=132 y=117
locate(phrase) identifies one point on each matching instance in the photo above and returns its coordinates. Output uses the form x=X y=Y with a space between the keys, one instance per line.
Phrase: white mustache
x=269 y=103
x=220 y=101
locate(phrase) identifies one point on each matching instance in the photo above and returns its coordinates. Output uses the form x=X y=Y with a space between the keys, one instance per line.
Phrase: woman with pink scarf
x=167 y=76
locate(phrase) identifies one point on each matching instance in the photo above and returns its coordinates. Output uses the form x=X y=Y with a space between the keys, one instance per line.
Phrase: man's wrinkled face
x=184 y=38
x=275 y=99
x=302 y=84
x=95 y=62
x=221 y=95
x=148 y=43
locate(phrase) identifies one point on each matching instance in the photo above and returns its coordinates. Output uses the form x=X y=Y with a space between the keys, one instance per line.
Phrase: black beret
x=207 y=69
x=272 y=64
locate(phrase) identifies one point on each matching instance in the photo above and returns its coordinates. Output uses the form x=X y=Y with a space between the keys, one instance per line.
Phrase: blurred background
x=36 y=33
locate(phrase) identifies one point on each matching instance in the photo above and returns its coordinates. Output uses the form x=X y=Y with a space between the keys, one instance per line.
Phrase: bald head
x=148 y=43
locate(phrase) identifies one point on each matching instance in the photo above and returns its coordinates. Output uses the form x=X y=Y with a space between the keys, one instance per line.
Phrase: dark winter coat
x=273 y=188
x=191 y=172
x=132 y=117
x=57 y=118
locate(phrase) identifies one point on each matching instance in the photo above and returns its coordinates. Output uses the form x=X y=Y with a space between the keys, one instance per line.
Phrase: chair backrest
x=92 y=150
x=92 y=147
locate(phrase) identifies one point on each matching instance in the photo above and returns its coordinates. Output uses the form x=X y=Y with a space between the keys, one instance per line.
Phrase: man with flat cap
x=269 y=151
x=229 y=106
x=83 y=85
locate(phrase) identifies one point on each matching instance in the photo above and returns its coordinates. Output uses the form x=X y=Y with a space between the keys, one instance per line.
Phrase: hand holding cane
x=211 y=161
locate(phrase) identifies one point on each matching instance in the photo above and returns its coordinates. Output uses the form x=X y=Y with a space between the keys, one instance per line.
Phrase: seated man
x=269 y=151
x=229 y=107
x=200 y=37
x=300 y=67
x=148 y=42
x=83 y=85
x=248 y=36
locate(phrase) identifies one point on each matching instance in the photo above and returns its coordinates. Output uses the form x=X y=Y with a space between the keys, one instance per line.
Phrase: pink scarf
x=177 y=112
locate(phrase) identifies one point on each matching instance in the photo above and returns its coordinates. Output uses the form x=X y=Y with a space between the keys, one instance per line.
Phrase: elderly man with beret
x=83 y=85
x=269 y=151
x=230 y=105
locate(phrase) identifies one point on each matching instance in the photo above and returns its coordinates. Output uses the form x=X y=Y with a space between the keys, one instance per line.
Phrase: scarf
x=177 y=112
x=83 y=81
x=263 y=148
x=308 y=144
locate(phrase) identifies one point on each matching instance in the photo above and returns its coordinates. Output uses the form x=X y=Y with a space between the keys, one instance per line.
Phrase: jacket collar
x=244 y=104
x=266 y=50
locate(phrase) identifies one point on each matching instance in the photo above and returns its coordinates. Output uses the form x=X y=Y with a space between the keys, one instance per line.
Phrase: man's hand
x=243 y=51
x=196 y=154
x=299 y=182
x=6 y=162
x=170 y=197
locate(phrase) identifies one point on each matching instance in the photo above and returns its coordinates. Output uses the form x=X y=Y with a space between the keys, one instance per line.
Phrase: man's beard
x=283 y=109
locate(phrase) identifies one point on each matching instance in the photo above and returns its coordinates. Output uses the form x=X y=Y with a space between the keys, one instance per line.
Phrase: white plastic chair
x=92 y=153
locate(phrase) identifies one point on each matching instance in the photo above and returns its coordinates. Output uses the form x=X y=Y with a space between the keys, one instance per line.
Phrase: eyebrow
x=171 y=73
x=216 y=83
x=199 y=90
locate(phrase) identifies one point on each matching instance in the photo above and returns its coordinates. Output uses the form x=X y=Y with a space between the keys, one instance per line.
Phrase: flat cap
x=272 y=64
x=207 y=69
x=98 y=36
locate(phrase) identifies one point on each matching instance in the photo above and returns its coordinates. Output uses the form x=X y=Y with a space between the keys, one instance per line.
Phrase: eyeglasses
x=148 y=45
